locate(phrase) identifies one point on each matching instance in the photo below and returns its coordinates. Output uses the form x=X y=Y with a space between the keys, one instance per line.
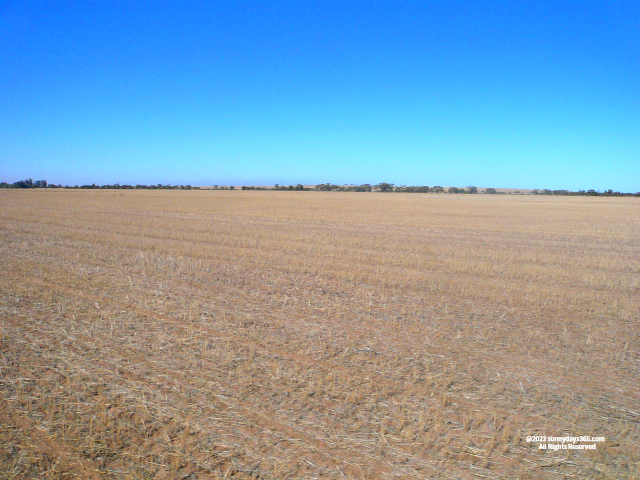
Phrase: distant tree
x=384 y=187
x=453 y=190
x=472 y=189
x=361 y=188
x=28 y=183
x=491 y=191
x=326 y=187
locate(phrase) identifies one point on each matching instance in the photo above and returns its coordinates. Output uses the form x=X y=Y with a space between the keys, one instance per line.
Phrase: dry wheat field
x=299 y=335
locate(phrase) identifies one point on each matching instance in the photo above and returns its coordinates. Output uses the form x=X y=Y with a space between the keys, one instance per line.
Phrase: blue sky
x=505 y=94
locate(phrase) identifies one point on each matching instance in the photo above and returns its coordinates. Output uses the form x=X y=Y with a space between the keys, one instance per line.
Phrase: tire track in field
x=101 y=375
x=66 y=462
x=264 y=418
x=363 y=332
x=268 y=352
x=249 y=410
x=443 y=272
x=314 y=361
x=181 y=324
x=519 y=240
x=360 y=331
x=170 y=384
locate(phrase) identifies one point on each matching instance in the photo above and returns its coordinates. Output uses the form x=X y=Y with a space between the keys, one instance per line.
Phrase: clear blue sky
x=506 y=94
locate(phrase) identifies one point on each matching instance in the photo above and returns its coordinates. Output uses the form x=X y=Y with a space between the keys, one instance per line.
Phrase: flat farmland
x=272 y=335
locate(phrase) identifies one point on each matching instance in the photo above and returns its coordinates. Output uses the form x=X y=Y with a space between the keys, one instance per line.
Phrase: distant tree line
x=470 y=190
x=328 y=187
x=28 y=183
x=589 y=193
x=299 y=187
x=44 y=184
x=390 y=187
x=323 y=187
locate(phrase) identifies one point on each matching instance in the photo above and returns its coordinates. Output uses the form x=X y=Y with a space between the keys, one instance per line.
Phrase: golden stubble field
x=272 y=335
